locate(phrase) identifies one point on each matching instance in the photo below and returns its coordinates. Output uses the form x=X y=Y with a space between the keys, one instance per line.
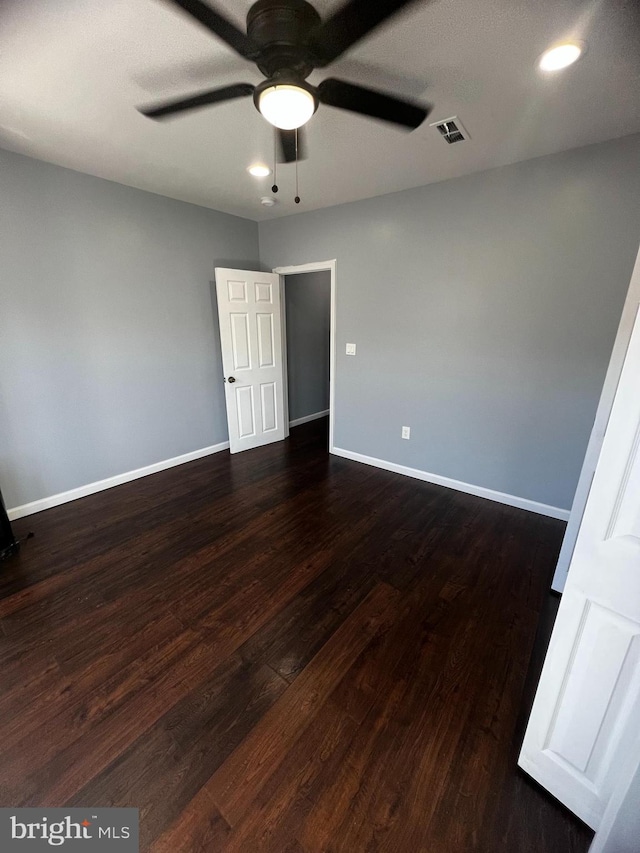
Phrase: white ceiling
x=72 y=71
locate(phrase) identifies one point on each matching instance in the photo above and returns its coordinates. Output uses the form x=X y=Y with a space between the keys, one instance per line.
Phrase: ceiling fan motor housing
x=280 y=30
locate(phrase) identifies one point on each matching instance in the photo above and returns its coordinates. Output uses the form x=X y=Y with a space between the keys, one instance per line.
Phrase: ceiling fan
x=287 y=40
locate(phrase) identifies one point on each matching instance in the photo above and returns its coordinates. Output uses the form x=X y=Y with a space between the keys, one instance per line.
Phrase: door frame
x=316 y=266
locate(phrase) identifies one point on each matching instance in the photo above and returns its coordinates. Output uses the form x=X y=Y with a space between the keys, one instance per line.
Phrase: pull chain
x=297 y=198
x=274 y=188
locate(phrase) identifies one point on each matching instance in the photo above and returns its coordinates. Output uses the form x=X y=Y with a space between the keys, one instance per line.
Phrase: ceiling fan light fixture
x=286 y=106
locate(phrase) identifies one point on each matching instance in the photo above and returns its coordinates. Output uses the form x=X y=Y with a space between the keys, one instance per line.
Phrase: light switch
x=351 y=349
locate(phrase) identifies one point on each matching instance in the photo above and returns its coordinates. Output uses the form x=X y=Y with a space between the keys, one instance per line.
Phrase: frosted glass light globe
x=286 y=106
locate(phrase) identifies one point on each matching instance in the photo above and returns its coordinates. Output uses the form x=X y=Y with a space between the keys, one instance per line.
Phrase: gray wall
x=109 y=348
x=484 y=310
x=308 y=308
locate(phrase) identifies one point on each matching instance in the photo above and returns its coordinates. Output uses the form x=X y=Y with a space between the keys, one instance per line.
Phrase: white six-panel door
x=251 y=338
x=586 y=715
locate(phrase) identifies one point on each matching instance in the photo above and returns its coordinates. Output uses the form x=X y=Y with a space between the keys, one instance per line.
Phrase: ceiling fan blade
x=202 y=99
x=219 y=25
x=349 y=24
x=287 y=139
x=369 y=102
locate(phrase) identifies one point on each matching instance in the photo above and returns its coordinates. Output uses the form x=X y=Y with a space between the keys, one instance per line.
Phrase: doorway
x=308 y=296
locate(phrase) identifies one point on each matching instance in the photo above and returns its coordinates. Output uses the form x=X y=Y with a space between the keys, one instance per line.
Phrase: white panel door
x=586 y=715
x=251 y=337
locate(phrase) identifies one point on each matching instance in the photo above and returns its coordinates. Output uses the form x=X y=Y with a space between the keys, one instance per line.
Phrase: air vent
x=451 y=130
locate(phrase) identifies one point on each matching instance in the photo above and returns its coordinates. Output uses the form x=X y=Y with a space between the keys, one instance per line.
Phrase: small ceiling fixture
x=286 y=106
x=560 y=56
x=258 y=170
x=267 y=201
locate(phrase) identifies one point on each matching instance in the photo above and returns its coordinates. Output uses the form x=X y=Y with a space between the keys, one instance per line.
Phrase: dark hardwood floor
x=282 y=651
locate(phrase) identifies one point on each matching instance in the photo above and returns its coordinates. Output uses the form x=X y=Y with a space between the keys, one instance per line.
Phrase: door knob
x=231 y=379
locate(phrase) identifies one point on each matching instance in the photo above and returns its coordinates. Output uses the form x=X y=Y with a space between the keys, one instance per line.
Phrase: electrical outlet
x=406 y=432
x=351 y=349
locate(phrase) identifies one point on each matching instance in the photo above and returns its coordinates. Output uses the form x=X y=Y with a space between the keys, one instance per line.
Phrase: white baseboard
x=110 y=482
x=478 y=491
x=101 y=485
x=307 y=418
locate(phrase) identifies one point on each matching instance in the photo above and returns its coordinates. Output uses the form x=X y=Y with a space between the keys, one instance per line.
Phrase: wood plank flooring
x=280 y=651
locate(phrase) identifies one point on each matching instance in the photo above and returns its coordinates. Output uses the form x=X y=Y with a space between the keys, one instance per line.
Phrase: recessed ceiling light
x=259 y=171
x=559 y=57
